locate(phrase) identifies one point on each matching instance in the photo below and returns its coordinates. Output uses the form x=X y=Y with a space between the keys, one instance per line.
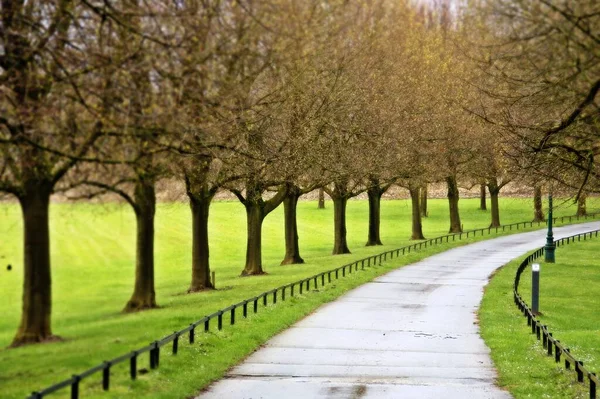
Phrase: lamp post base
x=549 y=253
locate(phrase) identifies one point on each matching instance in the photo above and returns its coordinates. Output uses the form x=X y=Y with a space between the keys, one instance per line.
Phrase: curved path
x=411 y=333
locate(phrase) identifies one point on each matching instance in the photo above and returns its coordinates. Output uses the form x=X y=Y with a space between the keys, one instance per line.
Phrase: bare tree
x=52 y=80
x=132 y=156
x=540 y=83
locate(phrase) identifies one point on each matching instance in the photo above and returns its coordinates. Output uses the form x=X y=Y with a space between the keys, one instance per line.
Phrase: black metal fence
x=552 y=345
x=252 y=305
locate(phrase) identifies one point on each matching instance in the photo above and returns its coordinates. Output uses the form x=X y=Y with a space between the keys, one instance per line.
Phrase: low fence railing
x=552 y=345
x=279 y=293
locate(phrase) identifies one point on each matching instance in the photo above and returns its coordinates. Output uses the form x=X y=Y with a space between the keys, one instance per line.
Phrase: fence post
x=152 y=357
x=106 y=376
x=175 y=343
x=578 y=365
x=133 y=365
x=544 y=336
x=75 y=387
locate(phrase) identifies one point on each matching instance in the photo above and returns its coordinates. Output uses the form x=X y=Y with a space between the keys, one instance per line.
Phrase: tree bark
x=340 y=245
x=35 y=323
x=581 y=205
x=494 y=189
x=144 y=296
x=321 y=198
x=453 y=197
x=423 y=201
x=417 y=225
x=495 y=208
x=290 y=206
x=254 y=218
x=538 y=214
x=374 y=193
x=482 y=202
x=200 y=206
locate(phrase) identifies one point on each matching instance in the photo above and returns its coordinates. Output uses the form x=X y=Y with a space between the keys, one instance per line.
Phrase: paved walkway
x=411 y=333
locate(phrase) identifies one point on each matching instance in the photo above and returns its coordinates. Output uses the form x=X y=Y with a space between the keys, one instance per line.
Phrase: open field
x=92 y=254
x=569 y=292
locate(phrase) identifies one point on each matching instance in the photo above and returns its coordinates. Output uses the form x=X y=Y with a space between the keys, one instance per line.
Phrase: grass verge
x=569 y=292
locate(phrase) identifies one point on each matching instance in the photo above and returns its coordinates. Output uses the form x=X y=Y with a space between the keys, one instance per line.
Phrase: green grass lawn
x=93 y=270
x=569 y=292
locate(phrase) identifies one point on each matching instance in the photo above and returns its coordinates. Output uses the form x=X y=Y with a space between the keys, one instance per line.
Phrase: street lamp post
x=550 y=247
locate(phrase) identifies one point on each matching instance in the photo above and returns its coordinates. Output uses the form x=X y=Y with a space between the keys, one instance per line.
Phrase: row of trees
x=266 y=99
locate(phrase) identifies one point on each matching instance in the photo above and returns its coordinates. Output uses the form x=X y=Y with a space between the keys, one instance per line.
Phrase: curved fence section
x=251 y=305
x=551 y=345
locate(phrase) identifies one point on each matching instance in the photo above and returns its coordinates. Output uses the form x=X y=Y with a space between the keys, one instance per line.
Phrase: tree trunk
x=200 y=206
x=495 y=208
x=292 y=249
x=581 y=205
x=494 y=190
x=453 y=197
x=538 y=215
x=482 y=203
x=374 y=193
x=417 y=226
x=340 y=245
x=321 y=198
x=144 y=296
x=254 y=218
x=423 y=201
x=256 y=211
x=37 y=284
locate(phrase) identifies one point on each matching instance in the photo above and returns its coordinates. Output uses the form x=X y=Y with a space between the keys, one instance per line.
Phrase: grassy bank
x=93 y=269
x=569 y=292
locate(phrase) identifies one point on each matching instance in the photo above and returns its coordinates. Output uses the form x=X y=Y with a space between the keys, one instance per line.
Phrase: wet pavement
x=411 y=333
